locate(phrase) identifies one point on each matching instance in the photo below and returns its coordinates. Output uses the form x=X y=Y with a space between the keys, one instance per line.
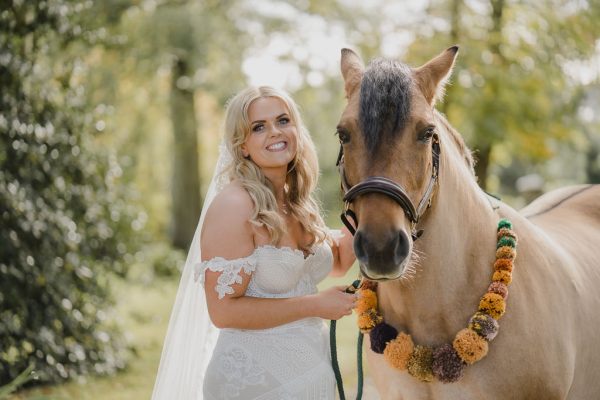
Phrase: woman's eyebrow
x=263 y=121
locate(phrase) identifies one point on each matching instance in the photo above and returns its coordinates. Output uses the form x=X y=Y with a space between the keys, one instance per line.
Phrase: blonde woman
x=264 y=247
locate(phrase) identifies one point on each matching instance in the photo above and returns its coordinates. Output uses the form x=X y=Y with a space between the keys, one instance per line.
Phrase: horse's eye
x=427 y=133
x=343 y=135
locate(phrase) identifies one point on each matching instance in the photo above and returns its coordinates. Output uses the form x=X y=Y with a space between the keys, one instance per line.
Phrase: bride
x=259 y=251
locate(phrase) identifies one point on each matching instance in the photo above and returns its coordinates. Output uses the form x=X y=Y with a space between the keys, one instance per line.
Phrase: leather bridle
x=386 y=186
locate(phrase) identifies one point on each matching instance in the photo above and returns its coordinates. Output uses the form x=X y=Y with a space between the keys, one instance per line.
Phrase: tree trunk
x=481 y=166
x=455 y=10
x=496 y=37
x=484 y=149
x=185 y=185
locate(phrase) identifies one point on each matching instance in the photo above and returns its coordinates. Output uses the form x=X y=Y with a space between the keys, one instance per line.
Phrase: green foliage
x=67 y=221
x=19 y=381
x=165 y=260
x=511 y=95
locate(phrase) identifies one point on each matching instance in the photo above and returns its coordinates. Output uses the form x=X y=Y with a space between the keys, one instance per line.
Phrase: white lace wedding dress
x=291 y=361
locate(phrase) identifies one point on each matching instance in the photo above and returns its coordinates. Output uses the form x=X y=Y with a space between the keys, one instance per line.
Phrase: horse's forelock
x=384 y=100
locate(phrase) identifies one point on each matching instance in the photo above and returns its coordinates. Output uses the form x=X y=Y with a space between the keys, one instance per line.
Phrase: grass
x=144 y=310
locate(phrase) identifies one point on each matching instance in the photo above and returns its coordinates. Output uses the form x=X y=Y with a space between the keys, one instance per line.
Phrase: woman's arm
x=227 y=233
x=244 y=312
x=343 y=253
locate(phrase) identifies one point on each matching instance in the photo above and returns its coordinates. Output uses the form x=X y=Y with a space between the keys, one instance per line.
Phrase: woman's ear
x=244 y=150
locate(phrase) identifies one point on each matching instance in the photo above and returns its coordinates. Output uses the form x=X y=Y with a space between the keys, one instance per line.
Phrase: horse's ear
x=432 y=76
x=352 y=71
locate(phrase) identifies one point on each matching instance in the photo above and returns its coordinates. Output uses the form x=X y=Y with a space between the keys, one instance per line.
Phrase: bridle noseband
x=386 y=186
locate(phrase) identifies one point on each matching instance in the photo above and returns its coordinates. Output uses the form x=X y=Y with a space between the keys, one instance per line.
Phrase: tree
x=201 y=47
x=511 y=96
x=67 y=225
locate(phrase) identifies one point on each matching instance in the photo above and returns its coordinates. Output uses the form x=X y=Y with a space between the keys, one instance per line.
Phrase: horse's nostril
x=360 y=248
x=401 y=248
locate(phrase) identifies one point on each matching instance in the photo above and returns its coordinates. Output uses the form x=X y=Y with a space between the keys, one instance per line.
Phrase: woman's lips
x=279 y=146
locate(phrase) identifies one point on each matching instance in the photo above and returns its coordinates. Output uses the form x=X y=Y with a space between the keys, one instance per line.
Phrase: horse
x=432 y=263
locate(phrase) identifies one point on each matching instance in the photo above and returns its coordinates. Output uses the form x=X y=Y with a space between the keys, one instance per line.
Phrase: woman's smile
x=273 y=138
x=278 y=146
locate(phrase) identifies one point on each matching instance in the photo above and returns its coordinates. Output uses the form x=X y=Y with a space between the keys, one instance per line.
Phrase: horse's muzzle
x=382 y=258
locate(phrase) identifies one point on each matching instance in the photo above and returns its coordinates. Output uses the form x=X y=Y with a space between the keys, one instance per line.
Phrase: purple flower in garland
x=380 y=335
x=447 y=366
x=499 y=288
x=484 y=325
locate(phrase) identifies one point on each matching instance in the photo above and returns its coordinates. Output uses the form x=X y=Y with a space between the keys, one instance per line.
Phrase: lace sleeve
x=230 y=272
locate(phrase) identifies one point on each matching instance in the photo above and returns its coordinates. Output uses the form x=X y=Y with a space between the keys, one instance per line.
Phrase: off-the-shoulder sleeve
x=230 y=271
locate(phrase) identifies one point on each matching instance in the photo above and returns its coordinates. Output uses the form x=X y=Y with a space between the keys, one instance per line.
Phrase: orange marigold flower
x=367 y=300
x=506 y=252
x=470 y=346
x=399 y=350
x=502 y=276
x=503 y=264
x=368 y=320
x=492 y=304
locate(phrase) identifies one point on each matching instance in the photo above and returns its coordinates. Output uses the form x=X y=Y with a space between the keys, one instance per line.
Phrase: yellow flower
x=502 y=276
x=368 y=320
x=366 y=301
x=506 y=252
x=470 y=346
x=492 y=304
x=398 y=351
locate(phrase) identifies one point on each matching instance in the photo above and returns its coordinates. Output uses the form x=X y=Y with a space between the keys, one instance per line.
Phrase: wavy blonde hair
x=303 y=171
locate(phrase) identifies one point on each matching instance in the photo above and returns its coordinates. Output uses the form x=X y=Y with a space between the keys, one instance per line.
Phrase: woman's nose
x=275 y=130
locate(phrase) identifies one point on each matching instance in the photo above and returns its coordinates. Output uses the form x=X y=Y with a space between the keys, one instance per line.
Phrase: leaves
x=510 y=90
x=67 y=222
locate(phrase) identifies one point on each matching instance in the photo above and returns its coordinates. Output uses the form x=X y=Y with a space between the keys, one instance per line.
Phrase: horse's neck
x=456 y=254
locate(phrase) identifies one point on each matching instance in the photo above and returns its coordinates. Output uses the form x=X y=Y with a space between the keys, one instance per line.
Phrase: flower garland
x=447 y=362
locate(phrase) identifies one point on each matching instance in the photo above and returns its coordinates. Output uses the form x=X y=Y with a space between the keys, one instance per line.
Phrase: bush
x=165 y=260
x=67 y=223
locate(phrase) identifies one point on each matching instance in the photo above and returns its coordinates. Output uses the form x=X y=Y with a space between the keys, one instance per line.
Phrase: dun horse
x=548 y=343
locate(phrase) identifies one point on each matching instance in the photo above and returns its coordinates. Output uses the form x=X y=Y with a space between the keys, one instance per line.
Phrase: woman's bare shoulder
x=226 y=231
x=233 y=198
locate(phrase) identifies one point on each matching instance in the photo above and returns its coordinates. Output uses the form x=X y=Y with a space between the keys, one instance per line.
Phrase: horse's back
x=569 y=219
x=561 y=202
x=570 y=215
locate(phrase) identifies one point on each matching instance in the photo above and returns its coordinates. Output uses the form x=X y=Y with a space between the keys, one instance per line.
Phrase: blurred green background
x=110 y=117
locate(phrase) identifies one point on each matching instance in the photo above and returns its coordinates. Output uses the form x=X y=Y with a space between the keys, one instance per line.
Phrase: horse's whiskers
x=412 y=267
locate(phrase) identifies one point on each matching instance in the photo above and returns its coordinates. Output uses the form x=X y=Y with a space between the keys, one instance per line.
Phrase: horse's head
x=388 y=131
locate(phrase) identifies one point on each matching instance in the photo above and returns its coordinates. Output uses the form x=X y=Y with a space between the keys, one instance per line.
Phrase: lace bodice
x=289 y=361
x=276 y=271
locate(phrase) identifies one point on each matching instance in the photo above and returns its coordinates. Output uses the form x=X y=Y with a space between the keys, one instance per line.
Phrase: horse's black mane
x=384 y=100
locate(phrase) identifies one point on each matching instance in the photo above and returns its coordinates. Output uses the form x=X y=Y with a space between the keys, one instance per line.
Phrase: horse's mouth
x=380 y=278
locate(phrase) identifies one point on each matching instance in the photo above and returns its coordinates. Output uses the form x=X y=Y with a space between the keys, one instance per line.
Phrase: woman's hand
x=343 y=253
x=334 y=303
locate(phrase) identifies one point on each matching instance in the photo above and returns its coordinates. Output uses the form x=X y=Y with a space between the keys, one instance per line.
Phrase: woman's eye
x=257 y=128
x=284 y=121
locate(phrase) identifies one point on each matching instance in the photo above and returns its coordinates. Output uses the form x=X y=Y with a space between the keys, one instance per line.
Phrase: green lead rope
x=334 y=360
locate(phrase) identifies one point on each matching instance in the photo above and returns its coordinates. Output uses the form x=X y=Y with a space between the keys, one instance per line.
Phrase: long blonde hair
x=301 y=179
